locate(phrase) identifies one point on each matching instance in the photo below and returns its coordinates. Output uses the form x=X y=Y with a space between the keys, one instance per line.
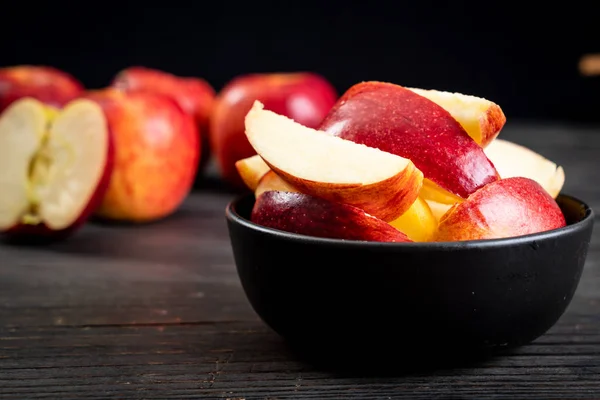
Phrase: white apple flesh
x=55 y=166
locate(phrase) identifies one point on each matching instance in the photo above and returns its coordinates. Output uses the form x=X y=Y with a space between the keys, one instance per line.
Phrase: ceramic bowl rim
x=233 y=216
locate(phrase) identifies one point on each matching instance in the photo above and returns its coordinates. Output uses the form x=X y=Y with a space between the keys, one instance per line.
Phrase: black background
x=523 y=55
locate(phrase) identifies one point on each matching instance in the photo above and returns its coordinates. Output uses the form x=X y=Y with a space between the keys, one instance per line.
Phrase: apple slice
x=55 y=167
x=312 y=216
x=251 y=170
x=482 y=119
x=383 y=184
x=272 y=181
x=418 y=222
x=399 y=121
x=512 y=160
x=505 y=208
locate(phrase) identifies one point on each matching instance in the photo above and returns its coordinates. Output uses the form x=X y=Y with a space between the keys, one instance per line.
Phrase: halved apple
x=313 y=216
x=506 y=208
x=512 y=160
x=481 y=118
x=316 y=163
x=418 y=222
x=55 y=167
x=251 y=170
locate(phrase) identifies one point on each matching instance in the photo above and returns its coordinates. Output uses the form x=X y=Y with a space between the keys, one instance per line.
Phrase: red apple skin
x=397 y=120
x=307 y=215
x=505 y=208
x=302 y=96
x=195 y=95
x=46 y=84
x=41 y=233
x=156 y=155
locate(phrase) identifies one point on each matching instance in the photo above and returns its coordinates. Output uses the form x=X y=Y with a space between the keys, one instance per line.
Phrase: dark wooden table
x=158 y=312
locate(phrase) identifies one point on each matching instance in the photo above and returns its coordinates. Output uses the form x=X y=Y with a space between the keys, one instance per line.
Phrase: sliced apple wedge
x=316 y=163
x=506 y=208
x=418 y=222
x=55 y=166
x=481 y=118
x=251 y=170
x=397 y=120
x=513 y=160
x=312 y=216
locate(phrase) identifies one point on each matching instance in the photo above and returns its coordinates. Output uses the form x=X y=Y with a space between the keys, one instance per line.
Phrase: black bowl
x=362 y=297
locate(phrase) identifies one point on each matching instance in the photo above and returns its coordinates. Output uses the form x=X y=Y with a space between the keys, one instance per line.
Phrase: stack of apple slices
x=396 y=164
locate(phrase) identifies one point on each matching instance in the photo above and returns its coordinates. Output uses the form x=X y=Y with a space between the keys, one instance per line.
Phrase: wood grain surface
x=157 y=312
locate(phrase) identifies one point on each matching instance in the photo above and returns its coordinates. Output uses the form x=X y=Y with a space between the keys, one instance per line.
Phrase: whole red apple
x=55 y=167
x=302 y=96
x=195 y=95
x=46 y=84
x=156 y=158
